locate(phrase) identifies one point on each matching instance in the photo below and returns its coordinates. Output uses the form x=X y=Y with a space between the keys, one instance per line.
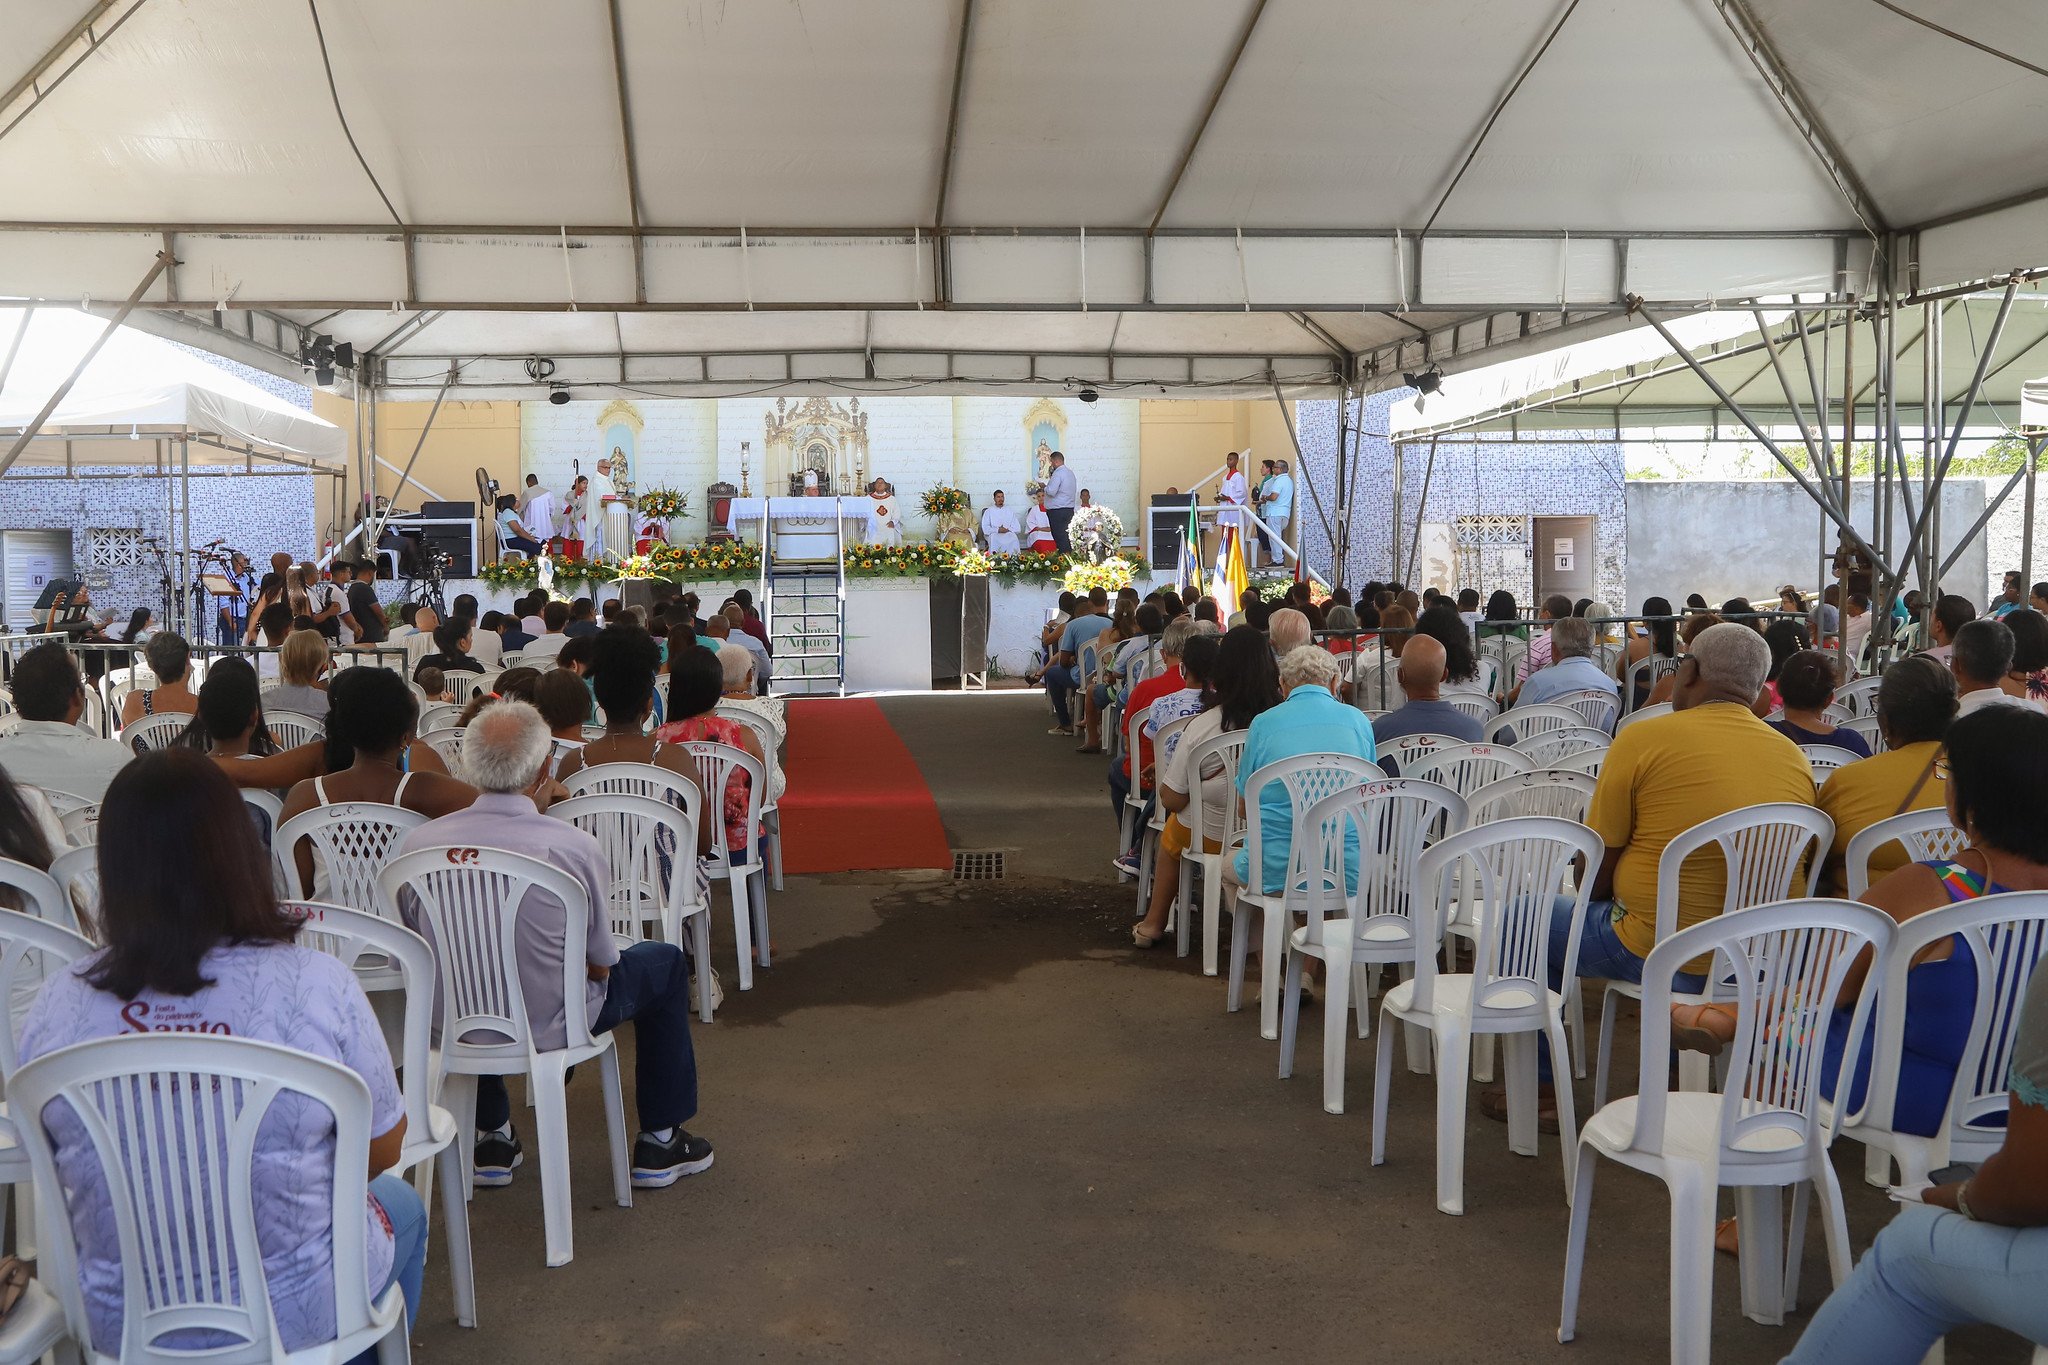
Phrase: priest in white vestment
x=596 y=488
x=884 y=527
x=999 y=527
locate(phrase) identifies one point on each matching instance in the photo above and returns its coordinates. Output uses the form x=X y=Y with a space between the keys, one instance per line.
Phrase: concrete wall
x=464 y=437
x=1747 y=537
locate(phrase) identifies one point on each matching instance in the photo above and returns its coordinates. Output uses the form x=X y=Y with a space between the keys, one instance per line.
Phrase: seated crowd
x=196 y=922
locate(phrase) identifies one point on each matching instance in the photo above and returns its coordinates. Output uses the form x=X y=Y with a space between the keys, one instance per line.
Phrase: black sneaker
x=660 y=1164
x=497 y=1156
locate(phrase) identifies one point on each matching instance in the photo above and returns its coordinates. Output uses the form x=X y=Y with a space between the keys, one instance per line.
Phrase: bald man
x=1421 y=675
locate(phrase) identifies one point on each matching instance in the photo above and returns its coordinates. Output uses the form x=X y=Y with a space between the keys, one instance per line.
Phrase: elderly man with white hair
x=1662 y=776
x=1289 y=630
x=504 y=756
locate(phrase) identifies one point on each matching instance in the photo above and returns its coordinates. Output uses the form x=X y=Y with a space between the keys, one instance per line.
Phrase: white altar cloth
x=859 y=511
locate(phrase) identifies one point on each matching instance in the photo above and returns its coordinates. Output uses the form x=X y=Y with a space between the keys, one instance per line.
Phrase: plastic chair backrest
x=1166 y=739
x=438 y=716
x=1477 y=705
x=171 y=1119
x=1465 y=768
x=1536 y=718
x=2006 y=934
x=77 y=873
x=1226 y=749
x=644 y=876
x=1781 y=964
x=1375 y=682
x=1385 y=823
x=363 y=941
x=1558 y=793
x=62 y=803
x=1088 y=661
x=1489 y=676
x=1588 y=761
x=1645 y=673
x=264 y=805
x=1508 y=871
x=1825 y=758
x=38 y=893
x=637 y=779
x=290 y=729
x=750 y=720
x=1133 y=724
x=1868 y=727
x=461 y=682
x=147 y=733
x=717 y=765
x=447 y=742
x=1406 y=749
x=1761 y=847
x=82 y=824
x=1858 y=696
x=355 y=839
x=1304 y=779
x=1552 y=745
x=1597 y=709
x=32 y=950
x=1926 y=834
x=468 y=899
x=1662 y=708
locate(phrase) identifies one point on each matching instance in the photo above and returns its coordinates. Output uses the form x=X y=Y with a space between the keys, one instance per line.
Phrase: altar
x=804 y=526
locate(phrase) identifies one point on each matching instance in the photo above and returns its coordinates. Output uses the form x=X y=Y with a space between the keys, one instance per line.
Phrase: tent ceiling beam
x=952 y=112
x=65 y=56
x=1750 y=35
x=626 y=142
x=1493 y=117
x=1194 y=141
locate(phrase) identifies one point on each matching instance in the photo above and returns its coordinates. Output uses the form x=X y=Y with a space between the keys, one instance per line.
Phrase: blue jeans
x=1930 y=1271
x=1602 y=955
x=650 y=985
x=1060 y=680
x=408 y=1217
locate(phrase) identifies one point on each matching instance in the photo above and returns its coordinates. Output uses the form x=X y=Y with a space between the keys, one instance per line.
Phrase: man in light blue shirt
x=1276 y=509
x=1062 y=675
x=1060 y=501
x=1310 y=721
x=1574 y=669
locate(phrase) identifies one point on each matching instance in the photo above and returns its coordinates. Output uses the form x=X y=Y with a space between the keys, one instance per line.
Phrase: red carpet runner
x=854 y=799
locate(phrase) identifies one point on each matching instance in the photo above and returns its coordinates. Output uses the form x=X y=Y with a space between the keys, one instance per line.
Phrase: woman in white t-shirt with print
x=196 y=941
x=1246 y=682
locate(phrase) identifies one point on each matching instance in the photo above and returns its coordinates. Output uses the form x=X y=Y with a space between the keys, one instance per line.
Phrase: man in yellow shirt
x=1664 y=775
x=1915 y=703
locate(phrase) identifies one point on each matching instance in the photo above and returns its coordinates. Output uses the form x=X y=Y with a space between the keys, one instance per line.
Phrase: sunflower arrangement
x=973 y=563
x=944 y=500
x=662 y=502
x=920 y=559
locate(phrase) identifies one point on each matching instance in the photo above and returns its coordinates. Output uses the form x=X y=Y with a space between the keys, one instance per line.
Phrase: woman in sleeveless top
x=696 y=680
x=170 y=658
x=370 y=719
x=622 y=664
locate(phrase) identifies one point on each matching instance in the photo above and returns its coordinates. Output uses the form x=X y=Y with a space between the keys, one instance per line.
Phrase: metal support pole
x=185 y=536
x=1984 y=518
x=1421 y=510
x=1394 y=547
x=2034 y=444
x=13 y=347
x=418 y=446
x=29 y=432
x=1822 y=472
x=1932 y=406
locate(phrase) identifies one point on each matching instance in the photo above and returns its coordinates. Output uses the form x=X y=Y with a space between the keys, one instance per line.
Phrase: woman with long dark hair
x=1243 y=682
x=1658 y=638
x=229 y=728
x=196 y=942
x=138 y=631
x=269 y=592
x=29 y=831
x=1503 y=617
x=1443 y=624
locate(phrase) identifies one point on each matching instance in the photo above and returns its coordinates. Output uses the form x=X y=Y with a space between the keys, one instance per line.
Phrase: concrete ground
x=968 y=1122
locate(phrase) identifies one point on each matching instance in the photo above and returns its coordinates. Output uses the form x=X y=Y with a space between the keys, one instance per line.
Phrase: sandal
x=1709 y=1029
x=1493 y=1103
x=1727 y=1239
x=1144 y=938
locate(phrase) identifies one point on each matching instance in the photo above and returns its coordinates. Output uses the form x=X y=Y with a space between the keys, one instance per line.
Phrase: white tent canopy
x=141 y=386
x=1202 y=197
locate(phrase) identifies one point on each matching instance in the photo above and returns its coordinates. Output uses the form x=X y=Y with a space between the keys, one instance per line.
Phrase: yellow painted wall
x=464 y=436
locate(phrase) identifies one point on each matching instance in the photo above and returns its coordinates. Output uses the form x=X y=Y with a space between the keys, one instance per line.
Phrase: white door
x=28 y=561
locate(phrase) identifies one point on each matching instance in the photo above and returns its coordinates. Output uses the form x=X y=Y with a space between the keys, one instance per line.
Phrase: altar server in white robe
x=575 y=527
x=1038 y=529
x=884 y=526
x=1233 y=492
x=999 y=527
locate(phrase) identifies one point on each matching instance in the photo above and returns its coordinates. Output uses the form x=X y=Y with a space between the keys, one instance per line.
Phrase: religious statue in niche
x=816 y=444
x=1045 y=431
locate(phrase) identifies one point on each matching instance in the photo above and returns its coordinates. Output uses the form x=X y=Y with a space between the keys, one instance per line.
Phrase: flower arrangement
x=943 y=500
x=711 y=561
x=1111 y=575
x=662 y=502
x=919 y=559
x=973 y=563
x=1097 y=532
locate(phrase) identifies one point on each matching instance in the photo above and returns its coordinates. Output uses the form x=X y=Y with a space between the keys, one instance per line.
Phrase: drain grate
x=977 y=865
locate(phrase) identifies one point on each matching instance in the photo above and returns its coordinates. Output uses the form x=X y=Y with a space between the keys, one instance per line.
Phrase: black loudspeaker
x=453 y=541
x=448 y=511
x=1166 y=531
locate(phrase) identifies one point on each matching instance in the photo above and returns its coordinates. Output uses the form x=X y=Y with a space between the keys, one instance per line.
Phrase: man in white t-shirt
x=999 y=527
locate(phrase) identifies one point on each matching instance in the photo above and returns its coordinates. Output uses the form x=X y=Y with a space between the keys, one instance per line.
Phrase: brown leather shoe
x=1493 y=1102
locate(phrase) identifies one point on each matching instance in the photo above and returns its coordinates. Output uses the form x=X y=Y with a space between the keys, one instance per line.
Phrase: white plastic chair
x=2006 y=935
x=1134 y=800
x=1587 y=762
x=631 y=830
x=1823 y=759
x=1306 y=779
x=1662 y=708
x=1547 y=748
x=1405 y=749
x=1511 y=870
x=363 y=940
x=1518 y=723
x=469 y=899
x=1465 y=768
x=742 y=868
x=291 y=729
x=1925 y=834
x=1782 y=965
x=447 y=742
x=1868 y=727
x=1384 y=825
x=1559 y=793
x=62 y=803
x=1762 y=848
x=1858 y=696
x=210 y=1095
x=353 y=840
x=1148 y=844
x=1597 y=709
x=82 y=824
x=77 y=873
x=37 y=892
x=1224 y=749
x=1477 y=705
x=438 y=716
x=1488 y=680
x=261 y=802
x=1645 y=673
x=460 y=682
x=771 y=811
x=32 y=950
x=147 y=733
